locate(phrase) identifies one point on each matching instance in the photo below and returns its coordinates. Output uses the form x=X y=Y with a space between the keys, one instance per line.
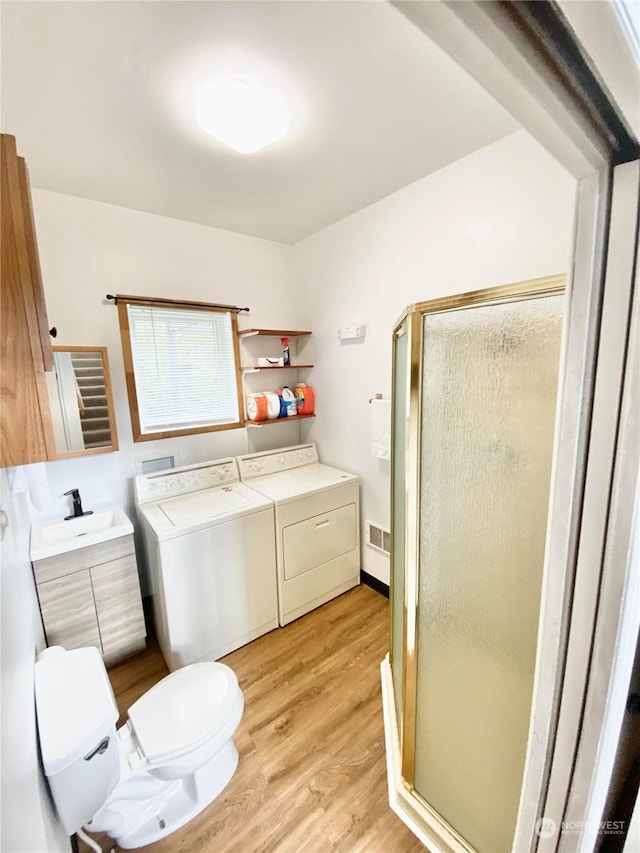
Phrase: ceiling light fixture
x=241 y=116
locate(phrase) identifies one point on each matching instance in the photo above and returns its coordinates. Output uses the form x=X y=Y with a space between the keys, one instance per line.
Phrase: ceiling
x=100 y=96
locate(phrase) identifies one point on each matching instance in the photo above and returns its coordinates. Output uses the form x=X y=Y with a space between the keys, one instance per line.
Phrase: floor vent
x=378 y=538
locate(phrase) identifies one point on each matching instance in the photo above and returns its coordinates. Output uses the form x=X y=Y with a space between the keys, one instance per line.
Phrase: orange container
x=304 y=398
x=256 y=407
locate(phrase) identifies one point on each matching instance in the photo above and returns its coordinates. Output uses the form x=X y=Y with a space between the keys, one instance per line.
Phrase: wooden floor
x=312 y=773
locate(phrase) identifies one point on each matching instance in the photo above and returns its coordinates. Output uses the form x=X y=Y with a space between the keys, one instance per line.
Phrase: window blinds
x=184 y=368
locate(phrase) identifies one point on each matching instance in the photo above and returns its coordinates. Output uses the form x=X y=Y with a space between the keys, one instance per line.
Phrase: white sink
x=50 y=538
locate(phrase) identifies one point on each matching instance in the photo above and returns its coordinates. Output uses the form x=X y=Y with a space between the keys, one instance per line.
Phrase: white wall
x=28 y=820
x=502 y=214
x=88 y=249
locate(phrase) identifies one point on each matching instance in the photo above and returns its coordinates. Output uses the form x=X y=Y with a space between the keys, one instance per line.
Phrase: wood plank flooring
x=312 y=773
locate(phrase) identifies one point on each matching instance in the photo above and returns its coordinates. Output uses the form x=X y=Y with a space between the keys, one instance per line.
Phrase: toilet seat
x=184 y=711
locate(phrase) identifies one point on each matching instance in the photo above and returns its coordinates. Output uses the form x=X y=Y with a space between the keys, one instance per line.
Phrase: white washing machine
x=317 y=522
x=209 y=541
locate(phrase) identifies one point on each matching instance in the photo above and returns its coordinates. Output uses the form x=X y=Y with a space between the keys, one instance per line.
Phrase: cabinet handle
x=322 y=523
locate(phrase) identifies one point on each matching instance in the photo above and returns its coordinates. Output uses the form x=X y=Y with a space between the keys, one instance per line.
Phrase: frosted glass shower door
x=489 y=382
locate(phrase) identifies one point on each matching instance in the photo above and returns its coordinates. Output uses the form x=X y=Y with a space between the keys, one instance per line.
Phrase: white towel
x=38 y=486
x=381 y=428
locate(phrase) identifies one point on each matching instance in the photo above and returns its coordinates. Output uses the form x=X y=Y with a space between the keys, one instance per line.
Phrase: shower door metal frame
x=411 y=323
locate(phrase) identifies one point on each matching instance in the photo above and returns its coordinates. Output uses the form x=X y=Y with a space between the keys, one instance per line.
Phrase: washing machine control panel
x=275 y=461
x=182 y=481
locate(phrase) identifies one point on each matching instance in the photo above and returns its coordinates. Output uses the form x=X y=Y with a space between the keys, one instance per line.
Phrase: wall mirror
x=81 y=401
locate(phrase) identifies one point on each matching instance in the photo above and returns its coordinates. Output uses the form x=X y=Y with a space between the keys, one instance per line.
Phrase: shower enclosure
x=474 y=397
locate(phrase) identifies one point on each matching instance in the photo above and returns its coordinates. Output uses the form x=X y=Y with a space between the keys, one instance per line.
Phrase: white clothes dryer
x=210 y=549
x=317 y=522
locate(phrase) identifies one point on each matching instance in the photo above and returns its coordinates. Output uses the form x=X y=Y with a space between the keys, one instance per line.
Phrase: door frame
x=530 y=59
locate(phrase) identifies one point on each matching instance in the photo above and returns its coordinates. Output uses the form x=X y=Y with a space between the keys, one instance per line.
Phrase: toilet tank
x=77 y=714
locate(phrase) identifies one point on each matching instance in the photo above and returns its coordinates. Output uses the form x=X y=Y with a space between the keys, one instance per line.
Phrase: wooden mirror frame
x=113 y=446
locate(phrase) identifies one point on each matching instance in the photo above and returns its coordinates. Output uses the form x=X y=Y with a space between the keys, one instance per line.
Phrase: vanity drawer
x=94 y=555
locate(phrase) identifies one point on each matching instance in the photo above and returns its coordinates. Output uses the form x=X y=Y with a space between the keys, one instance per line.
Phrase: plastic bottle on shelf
x=289 y=399
x=286 y=360
x=304 y=398
x=273 y=404
x=283 y=406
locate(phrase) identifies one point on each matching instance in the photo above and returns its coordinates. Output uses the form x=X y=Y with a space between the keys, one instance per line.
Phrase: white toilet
x=173 y=757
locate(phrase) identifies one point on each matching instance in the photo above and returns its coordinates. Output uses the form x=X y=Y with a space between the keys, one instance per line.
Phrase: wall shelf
x=244 y=335
x=278 y=421
x=257 y=368
x=274 y=333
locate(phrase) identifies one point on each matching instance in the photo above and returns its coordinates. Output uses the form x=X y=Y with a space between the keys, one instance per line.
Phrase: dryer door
x=318 y=540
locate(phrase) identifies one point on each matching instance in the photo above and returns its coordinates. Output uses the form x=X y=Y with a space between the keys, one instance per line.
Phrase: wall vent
x=160 y=463
x=378 y=538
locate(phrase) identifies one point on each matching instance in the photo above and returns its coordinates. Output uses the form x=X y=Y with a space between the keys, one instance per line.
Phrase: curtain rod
x=121 y=297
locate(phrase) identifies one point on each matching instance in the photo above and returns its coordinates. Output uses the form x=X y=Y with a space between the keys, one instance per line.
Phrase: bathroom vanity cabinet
x=25 y=418
x=91 y=597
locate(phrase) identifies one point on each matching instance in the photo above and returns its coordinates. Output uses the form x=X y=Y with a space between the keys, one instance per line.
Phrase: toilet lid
x=184 y=710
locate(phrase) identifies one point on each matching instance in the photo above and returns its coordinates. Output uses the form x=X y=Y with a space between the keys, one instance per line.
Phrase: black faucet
x=77 y=505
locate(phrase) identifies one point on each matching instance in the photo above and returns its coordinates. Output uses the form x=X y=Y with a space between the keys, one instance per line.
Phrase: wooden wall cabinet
x=91 y=597
x=25 y=347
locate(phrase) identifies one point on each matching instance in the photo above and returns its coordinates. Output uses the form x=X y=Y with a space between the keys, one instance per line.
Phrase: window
x=181 y=365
